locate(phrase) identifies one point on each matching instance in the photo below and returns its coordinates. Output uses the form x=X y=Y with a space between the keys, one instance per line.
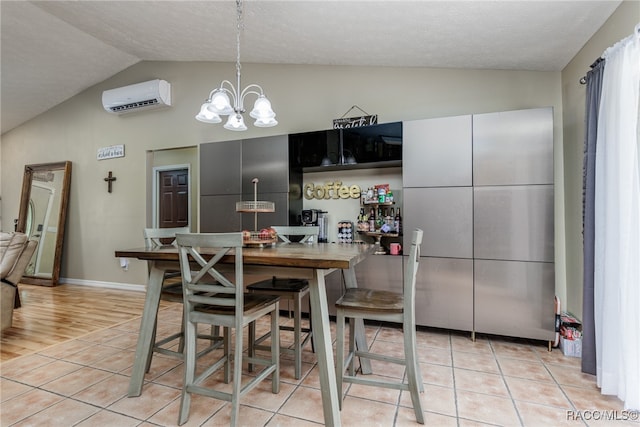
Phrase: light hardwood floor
x=49 y=316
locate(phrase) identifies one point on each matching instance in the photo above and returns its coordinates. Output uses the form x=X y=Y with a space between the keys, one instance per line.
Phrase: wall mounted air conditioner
x=137 y=97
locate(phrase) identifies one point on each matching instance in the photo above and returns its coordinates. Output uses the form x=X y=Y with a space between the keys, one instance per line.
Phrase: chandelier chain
x=239 y=26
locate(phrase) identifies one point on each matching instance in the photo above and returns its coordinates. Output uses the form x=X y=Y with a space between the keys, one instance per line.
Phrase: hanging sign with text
x=110 y=152
x=355 y=122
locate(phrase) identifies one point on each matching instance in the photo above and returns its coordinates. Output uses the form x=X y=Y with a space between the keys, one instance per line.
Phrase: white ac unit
x=140 y=96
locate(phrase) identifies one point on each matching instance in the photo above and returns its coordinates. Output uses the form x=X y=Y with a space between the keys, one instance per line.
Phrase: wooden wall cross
x=110 y=180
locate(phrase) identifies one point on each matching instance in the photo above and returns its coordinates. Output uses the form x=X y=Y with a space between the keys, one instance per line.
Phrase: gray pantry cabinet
x=226 y=173
x=481 y=188
x=514 y=268
x=438 y=198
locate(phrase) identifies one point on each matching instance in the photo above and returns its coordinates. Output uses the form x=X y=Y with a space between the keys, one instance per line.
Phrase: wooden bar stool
x=293 y=290
x=385 y=306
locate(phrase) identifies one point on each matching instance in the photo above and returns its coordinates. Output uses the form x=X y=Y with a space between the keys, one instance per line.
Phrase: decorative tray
x=255 y=206
x=266 y=236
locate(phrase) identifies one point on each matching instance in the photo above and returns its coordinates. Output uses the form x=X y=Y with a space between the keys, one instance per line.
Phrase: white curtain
x=617 y=226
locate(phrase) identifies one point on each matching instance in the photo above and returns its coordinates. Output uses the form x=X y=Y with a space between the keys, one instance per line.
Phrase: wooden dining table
x=297 y=260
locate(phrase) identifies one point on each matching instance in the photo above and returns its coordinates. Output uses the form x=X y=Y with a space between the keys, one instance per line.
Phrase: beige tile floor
x=493 y=381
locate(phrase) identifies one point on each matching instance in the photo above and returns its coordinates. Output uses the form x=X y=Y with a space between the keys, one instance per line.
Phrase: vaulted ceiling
x=53 y=50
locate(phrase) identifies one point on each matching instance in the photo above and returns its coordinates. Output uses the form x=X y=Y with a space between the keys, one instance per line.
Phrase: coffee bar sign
x=331 y=190
x=355 y=122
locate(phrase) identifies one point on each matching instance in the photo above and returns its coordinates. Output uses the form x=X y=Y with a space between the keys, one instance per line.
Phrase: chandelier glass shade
x=228 y=100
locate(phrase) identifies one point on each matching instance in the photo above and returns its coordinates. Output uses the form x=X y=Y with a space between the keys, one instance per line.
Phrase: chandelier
x=219 y=101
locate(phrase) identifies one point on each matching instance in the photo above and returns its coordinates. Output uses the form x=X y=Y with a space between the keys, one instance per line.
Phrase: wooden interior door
x=174 y=198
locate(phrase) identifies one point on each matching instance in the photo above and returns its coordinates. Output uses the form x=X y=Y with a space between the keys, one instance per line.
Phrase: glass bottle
x=392 y=221
x=397 y=223
x=372 y=220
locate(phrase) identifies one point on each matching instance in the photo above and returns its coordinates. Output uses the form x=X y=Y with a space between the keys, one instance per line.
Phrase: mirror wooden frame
x=25 y=197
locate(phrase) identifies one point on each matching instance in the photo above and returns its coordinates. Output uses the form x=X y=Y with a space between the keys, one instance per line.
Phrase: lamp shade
x=235 y=122
x=207 y=116
x=262 y=109
x=220 y=103
x=266 y=122
x=350 y=160
x=347 y=158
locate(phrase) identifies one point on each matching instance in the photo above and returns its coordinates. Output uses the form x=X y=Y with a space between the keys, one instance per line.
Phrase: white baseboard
x=108 y=285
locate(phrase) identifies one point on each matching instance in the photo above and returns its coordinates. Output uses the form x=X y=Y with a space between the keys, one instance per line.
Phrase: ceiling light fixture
x=219 y=101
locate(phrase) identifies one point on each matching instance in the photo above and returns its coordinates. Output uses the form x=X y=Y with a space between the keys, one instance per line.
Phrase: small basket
x=257 y=238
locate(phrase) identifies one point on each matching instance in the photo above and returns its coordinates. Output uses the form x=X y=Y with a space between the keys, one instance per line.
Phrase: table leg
x=361 y=337
x=324 y=349
x=145 y=335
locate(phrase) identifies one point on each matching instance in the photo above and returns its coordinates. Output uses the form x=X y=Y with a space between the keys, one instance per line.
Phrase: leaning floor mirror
x=42 y=216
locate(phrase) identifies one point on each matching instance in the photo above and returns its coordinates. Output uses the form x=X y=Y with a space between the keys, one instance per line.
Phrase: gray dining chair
x=172 y=291
x=294 y=291
x=385 y=306
x=214 y=295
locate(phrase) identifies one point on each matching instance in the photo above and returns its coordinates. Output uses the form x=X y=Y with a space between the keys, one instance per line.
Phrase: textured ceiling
x=52 y=50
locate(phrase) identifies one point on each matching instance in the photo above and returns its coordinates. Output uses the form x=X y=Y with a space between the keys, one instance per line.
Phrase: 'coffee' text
x=331 y=190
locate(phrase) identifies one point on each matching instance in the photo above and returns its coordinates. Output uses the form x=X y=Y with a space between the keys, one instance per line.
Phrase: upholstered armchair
x=15 y=252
